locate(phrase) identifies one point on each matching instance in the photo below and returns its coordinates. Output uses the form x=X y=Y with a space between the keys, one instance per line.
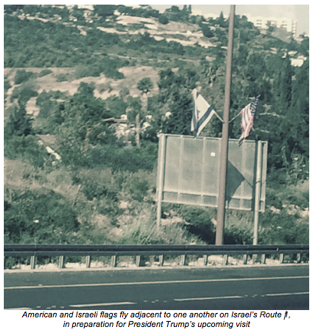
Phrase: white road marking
x=154 y=282
x=289 y=294
x=18 y=309
x=101 y=304
x=205 y=298
x=227 y=297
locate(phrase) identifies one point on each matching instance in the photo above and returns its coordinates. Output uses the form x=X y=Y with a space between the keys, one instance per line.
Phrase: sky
x=297 y=12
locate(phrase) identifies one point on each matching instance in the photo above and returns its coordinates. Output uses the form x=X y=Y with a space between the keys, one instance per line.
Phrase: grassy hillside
x=71 y=74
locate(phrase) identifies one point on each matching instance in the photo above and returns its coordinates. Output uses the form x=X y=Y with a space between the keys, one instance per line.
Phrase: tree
x=104 y=10
x=163 y=19
x=145 y=85
x=207 y=32
x=304 y=46
x=270 y=28
x=86 y=89
x=286 y=84
x=174 y=9
x=221 y=21
x=19 y=122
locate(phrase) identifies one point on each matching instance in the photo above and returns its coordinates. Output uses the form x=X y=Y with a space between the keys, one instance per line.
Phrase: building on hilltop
x=261 y=22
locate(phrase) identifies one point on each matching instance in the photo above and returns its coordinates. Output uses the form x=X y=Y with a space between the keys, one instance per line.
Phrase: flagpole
x=219 y=240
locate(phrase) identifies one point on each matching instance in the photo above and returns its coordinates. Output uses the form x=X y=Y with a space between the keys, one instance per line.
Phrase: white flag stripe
x=247 y=119
x=202 y=113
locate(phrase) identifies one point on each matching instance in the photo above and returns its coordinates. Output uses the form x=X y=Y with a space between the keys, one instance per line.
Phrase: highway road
x=284 y=287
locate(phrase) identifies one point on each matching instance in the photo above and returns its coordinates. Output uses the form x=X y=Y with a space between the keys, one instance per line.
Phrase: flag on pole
x=247 y=119
x=201 y=113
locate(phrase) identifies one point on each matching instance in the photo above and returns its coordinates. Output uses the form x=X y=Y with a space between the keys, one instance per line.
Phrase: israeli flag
x=201 y=114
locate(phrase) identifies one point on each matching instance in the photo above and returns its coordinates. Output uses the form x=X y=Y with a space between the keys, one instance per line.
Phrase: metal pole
x=224 y=149
x=137 y=131
x=257 y=193
x=160 y=178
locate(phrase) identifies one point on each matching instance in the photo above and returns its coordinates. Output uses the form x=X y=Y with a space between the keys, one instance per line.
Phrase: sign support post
x=257 y=192
x=160 y=178
x=224 y=149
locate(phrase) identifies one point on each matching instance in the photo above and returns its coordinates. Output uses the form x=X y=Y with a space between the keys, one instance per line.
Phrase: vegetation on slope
x=103 y=190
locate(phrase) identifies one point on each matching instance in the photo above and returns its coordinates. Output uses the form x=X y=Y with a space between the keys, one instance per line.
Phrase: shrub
x=19 y=122
x=207 y=32
x=163 y=19
x=198 y=222
x=282 y=229
x=6 y=85
x=143 y=230
x=22 y=76
x=93 y=189
x=26 y=148
x=61 y=78
x=24 y=92
x=44 y=72
x=136 y=186
x=38 y=216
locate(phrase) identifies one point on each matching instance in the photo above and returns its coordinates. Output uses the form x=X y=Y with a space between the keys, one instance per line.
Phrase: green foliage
x=86 y=89
x=282 y=229
x=141 y=11
x=199 y=222
x=136 y=186
x=86 y=139
x=61 y=77
x=122 y=159
x=163 y=19
x=116 y=106
x=207 y=32
x=41 y=216
x=143 y=230
x=238 y=227
x=104 y=10
x=109 y=67
x=44 y=72
x=19 y=122
x=22 y=76
x=9 y=9
x=26 y=148
x=6 y=85
x=145 y=85
x=24 y=92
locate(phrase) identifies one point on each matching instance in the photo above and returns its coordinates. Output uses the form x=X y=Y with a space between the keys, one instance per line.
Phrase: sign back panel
x=188 y=171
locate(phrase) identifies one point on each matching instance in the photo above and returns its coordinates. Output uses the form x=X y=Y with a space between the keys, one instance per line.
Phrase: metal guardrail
x=12 y=250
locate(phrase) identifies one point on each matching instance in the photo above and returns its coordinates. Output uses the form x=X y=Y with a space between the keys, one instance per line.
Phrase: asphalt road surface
x=284 y=287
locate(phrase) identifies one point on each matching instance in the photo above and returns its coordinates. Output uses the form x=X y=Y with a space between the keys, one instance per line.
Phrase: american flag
x=247 y=119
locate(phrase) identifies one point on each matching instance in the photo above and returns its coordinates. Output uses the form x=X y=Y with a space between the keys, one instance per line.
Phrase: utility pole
x=219 y=240
x=137 y=131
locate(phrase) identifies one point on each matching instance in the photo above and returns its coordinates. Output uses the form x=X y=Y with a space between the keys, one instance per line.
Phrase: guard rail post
x=281 y=258
x=61 y=262
x=183 y=260
x=113 y=261
x=205 y=260
x=299 y=257
x=225 y=259
x=33 y=262
x=88 y=261
x=263 y=259
x=139 y=261
x=245 y=259
x=161 y=260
